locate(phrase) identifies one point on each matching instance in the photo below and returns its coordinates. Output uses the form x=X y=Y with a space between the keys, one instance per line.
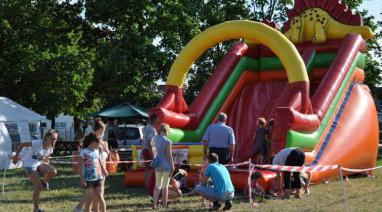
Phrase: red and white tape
x=318 y=168
x=360 y=170
x=134 y=161
x=114 y=162
x=66 y=156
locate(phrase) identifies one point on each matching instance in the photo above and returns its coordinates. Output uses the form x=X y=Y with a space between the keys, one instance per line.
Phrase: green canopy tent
x=124 y=110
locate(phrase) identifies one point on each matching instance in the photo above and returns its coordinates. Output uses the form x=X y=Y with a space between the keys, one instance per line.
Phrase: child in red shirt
x=256 y=189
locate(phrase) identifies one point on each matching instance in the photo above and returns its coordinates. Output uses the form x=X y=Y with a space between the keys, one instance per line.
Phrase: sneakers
x=228 y=205
x=215 y=206
x=38 y=210
x=45 y=185
x=76 y=209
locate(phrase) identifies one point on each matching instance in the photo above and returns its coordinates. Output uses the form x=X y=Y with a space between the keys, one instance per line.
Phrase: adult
x=111 y=130
x=220 y=139
x=290 y=157
x=222 y=190
x=112 y=140
x=165 y=165
x=147 y=152
x=88 y=128
x=99 y=128
x=36 y=163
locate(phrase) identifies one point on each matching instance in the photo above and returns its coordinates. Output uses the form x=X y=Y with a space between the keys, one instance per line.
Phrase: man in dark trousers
x=220 y=139
x=293 y=156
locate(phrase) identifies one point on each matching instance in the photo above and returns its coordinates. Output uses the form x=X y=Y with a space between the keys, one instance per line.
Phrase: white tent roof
x=60 y=118
x=14 y=112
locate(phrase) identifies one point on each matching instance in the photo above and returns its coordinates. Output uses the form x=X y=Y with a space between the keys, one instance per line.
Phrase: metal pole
x=5 y=172
x=345 y=191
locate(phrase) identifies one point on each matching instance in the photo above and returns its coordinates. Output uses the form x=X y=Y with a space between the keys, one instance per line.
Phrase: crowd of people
x=214 y=182
x=163 y=179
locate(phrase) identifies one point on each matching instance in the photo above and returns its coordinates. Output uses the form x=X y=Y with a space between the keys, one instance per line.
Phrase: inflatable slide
x=309 y=80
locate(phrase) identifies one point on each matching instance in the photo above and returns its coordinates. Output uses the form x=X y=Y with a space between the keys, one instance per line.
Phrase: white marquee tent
x=17 y=124
x=64 y=126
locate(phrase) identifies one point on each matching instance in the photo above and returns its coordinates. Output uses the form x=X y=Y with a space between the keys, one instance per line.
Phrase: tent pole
x=5 y=172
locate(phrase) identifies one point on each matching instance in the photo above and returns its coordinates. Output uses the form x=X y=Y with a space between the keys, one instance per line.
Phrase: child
x=257 y=190
x=92 y=172
x=305 y=181
x=180 y=176
x=275 y=186
x=261 y=141
x=174 y=189
x=205 y=202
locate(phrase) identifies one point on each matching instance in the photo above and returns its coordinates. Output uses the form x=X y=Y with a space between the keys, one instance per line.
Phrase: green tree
x=128 y=62
x=45 y=63
x=210 y=13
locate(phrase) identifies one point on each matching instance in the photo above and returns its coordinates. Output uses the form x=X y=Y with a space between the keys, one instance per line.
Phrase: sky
x=375 y=8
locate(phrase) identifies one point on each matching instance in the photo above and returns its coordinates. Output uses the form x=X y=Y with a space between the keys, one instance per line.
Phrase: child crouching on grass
x=92 y=173
x=275 y=189
x=256 y=188
x=204 y=201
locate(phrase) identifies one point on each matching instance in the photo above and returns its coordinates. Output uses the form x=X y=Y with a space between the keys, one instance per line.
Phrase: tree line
x=78 y=56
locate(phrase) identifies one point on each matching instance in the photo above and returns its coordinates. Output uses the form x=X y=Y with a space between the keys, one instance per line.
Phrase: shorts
x=30 y=170
x=146 y=156
x=210 y=193
x=93 y=184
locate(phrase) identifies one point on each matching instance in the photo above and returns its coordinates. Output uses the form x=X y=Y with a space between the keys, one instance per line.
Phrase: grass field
x=364 y=195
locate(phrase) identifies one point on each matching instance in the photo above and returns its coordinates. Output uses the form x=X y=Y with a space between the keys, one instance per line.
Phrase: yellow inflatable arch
x=254 y=31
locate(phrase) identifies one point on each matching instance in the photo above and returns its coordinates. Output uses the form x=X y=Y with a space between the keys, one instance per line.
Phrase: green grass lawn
x=364 y=195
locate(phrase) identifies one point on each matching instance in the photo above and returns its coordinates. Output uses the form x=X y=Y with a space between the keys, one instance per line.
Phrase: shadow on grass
x=74 y=198
x=353 y=197
x=132 y=206
x=16 y=201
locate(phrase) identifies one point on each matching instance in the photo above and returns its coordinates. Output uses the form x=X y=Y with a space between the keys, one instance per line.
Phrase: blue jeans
x=210 y=193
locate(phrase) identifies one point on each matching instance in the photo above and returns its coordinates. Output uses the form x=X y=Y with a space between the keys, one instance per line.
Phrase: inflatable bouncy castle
x=309 y=80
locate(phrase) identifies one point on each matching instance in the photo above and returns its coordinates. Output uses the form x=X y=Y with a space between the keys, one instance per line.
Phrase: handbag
x=154 y=163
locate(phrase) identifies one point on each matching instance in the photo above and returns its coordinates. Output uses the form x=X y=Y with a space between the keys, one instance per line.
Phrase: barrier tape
x=360 y=170
x=68 y=156
x=317 y=168
x=119 y=162
x=145 y=161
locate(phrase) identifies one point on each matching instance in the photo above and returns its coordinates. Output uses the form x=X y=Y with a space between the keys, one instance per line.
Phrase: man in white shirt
x=147 y=151
x=220 y=139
